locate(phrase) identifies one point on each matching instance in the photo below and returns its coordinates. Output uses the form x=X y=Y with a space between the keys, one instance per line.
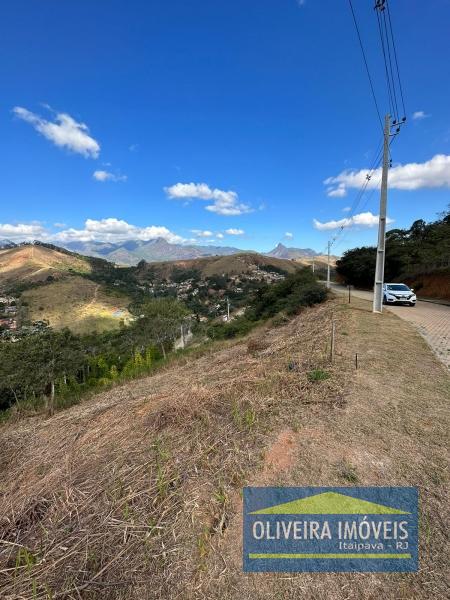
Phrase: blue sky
x=110 y=108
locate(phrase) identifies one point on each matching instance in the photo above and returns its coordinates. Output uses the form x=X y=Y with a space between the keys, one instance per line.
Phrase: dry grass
x=392 y=429
x=319 y=261
x=77 y=303
x=36 y=263
x=135 y=494
x=234 y=264
x=127 y=492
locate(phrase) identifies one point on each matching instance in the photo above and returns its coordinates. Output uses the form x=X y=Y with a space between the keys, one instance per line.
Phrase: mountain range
x=132 y=251
x=281 y=251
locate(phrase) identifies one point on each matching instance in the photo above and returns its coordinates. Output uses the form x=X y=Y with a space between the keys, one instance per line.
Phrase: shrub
x=318 y=375
x=290 y=295
x=224 y=331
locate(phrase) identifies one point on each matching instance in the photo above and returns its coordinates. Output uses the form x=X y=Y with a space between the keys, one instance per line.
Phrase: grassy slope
x=76 y=303
x=70 y=301
x=36 y=263
x=137 y=491
x=234 y=264
x=320 y=261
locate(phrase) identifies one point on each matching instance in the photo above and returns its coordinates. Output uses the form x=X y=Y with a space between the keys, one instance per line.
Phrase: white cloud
x=225 y=203
x=420 y=114
x=64 y=132
x=347 y=209
x=21 y=231
x=107 y=176
x=233 y=231
x=288 y=235
x=433 y=173
x=201 y=233
x=220 y=236
x=59 y=225
x=115 y=230
x=338 y=192
x=366 y=219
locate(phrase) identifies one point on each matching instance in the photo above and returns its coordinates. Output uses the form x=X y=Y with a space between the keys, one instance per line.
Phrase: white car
x=398 y=293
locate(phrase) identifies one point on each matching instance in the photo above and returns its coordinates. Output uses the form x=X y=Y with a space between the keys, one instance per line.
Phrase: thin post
x=349 y=294
x=313 y=266
x=228 y=310
x=381 y=249
x=333 y=329
x=182 y=336
x=328 y=267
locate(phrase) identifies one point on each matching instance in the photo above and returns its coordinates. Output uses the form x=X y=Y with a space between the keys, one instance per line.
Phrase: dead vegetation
x=135 y=494
x=127 y=492
x=32 y=263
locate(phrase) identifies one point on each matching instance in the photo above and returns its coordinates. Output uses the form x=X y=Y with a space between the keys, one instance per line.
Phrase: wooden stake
x=333 y=330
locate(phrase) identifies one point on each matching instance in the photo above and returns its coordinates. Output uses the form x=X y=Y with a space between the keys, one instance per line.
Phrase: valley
x=56 y=288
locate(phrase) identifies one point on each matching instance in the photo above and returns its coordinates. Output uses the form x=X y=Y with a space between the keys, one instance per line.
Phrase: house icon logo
x=330 y=529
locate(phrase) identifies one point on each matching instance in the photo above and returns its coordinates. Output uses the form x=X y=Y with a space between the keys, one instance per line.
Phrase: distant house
x=8 y=324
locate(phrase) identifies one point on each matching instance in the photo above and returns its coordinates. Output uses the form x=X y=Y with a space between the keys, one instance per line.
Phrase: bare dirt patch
x=281 y=455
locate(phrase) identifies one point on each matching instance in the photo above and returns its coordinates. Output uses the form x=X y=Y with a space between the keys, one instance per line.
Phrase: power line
x=376 y=165
x=396 y=60
x=366 y=64
x=388 y=46
x=360 y=193
x=390 y=59
x=394 y=91
x=388 y=80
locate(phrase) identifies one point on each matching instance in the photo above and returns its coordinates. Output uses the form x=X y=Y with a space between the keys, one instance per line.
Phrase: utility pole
x=182 y=336
x=313 y=266
x=381 y=250
x=228 y=310
x=328 y=266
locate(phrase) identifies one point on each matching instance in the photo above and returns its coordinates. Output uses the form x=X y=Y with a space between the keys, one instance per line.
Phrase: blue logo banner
x=333 y=529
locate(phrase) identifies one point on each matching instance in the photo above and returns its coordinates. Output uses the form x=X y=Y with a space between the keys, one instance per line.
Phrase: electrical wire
x=388 y=80
x=370 y=196
x=388 y=47
x=366 y=64
x=394 y=93
x=359 y=195
x=396 y=60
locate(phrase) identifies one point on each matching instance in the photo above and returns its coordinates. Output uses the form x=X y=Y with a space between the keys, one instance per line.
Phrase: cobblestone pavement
x=431 y=320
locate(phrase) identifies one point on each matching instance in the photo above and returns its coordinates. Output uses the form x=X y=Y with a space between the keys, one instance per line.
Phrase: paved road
x=431 y=320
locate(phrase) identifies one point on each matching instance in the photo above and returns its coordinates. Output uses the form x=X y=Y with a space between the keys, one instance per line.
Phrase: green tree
x=160 y=321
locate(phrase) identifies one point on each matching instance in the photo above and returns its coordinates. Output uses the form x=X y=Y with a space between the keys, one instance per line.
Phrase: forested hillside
x=418 y=256
x=55 y=368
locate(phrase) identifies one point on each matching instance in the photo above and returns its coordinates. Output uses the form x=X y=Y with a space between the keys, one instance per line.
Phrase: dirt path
x=94 y=297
